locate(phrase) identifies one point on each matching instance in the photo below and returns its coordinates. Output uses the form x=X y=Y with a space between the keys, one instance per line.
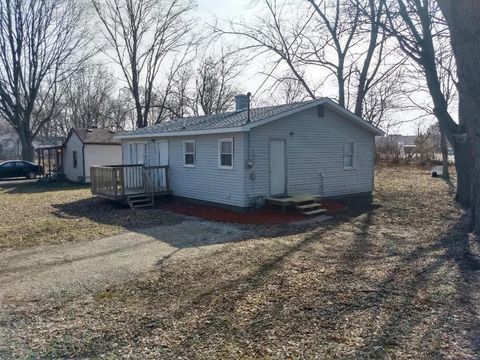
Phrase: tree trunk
x=462 y=166
x=474 y=144
x=463 y=18
x=444 y=146
x=341 y=87
x=28 y=150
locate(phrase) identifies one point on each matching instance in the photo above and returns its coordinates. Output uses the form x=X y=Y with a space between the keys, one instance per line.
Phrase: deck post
x=115 y=183
x=122 y=181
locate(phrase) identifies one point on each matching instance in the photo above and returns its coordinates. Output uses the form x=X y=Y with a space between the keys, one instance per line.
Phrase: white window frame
x=353 y=155
x=185 y=142
x=220 y=166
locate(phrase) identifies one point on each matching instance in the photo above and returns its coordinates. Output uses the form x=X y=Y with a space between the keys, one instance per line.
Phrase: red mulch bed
x=254 y=217
x=332 y=206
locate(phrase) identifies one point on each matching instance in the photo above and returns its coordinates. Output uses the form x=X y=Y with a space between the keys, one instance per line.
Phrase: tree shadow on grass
x=406 y=294
x=150 y=222
x=33 y=187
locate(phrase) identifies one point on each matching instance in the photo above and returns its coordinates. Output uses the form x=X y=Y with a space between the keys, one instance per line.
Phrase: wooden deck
x=118 y=182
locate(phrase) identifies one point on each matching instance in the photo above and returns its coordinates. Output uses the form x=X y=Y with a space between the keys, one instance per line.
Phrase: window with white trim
x=225 y=153
x=189 y=153
x=349 y=155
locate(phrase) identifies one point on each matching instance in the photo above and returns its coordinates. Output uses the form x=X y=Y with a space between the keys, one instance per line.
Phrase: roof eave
x=102 y=143
x=182 y=133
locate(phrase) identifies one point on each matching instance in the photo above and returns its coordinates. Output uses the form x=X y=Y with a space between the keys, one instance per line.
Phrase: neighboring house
x=10 y=147
x=86 y=147
x=403 y=144
x=239 y=158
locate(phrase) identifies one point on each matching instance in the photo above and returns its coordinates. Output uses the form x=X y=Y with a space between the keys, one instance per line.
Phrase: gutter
x=183 y=133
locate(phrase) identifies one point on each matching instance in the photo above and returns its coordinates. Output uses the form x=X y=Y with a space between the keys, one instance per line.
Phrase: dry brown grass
x=398 y=280
x=34 y=214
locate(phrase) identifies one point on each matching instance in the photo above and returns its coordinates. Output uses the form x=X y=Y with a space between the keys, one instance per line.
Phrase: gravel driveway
x=92 y=265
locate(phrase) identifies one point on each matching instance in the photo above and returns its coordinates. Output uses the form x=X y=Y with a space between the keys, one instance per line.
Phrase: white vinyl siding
x=206 y=181
x=101 y=154
x=189 y=153
x=349 y=155
x=88 y=155
x=225 y=153
x=315 y=155
x=73 y=145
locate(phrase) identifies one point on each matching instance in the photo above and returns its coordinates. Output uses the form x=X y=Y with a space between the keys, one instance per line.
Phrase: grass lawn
x=398 y=280
x=33 y=214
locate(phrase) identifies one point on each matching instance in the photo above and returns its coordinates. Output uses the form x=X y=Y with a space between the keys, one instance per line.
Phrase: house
x=10 y=147
x=240 y=158
x=404 y=145
x=84 y=148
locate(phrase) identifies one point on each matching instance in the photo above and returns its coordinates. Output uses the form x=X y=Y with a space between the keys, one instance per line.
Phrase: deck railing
x=119 y=181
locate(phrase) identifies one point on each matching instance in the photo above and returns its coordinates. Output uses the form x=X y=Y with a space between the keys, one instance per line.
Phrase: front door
x=160 y=154
x=278 y=167
x=159 y=157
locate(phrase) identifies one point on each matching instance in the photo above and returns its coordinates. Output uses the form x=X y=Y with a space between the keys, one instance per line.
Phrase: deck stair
x=305 y=204
x=139 y=201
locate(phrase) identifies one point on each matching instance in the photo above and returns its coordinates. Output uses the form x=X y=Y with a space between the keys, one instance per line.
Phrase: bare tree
x=342 y=39
x=41 y=44
x=215 y=84
x=383 y=99
x=412 y=23
x=142 y=35
x=287 y=89
x=463 y=18
x=277 y=34
x=88 y=96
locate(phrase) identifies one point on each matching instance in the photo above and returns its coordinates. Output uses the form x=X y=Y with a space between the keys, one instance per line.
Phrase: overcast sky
x=210 y=10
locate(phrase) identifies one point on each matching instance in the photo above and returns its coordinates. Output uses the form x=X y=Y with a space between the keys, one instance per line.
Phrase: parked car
x=19 y=168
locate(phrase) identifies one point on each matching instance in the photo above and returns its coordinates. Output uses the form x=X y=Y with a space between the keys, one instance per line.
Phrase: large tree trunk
x=462 y=166
x=28 y=150
x=463 y=18
x=444 y=147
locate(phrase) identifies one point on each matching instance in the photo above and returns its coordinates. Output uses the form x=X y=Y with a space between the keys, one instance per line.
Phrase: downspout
x=83 y=161
x=374 y=163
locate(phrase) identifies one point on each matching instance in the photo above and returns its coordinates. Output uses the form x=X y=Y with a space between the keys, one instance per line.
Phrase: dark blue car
x=19 y=168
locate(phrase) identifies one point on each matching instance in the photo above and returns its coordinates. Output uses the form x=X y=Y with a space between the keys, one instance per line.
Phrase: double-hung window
x=189 y=153
x=349 y=155
x=225 y=153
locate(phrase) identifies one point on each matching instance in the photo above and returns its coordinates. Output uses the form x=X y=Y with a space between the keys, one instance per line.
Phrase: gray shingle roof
x=217 y=121
x=96 y=136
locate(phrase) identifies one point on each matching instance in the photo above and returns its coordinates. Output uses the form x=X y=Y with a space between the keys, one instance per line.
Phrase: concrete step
x=311 y=206
x=315 y=212
x=137 y=200
x=142 y=206
x=137 y=196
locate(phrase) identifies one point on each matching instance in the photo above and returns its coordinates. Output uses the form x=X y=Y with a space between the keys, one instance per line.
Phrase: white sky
x=210 y=10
